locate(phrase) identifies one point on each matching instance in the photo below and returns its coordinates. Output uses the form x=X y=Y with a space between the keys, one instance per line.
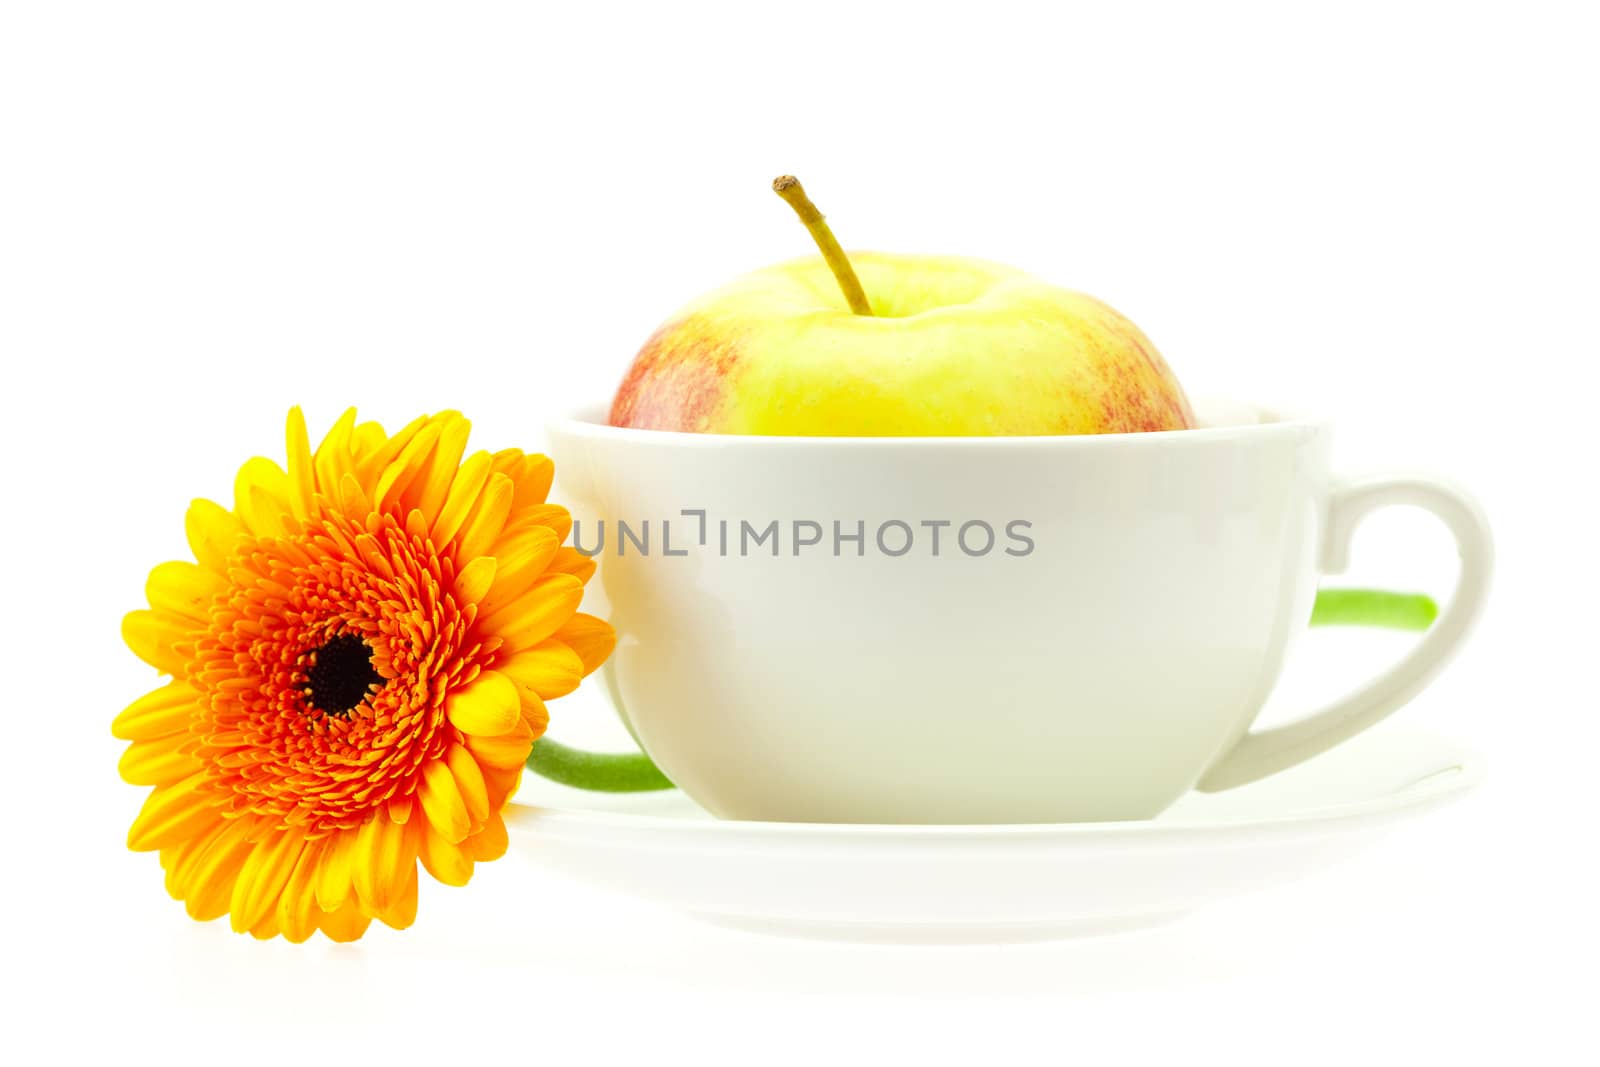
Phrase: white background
x=211 y=211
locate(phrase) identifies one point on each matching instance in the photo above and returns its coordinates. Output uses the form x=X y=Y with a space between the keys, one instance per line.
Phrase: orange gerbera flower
x=360 y=657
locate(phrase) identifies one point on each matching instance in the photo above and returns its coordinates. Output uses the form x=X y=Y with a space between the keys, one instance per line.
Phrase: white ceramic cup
x=1107 y=651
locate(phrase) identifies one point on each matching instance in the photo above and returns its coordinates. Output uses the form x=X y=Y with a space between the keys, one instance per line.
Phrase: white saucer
x=990 y=883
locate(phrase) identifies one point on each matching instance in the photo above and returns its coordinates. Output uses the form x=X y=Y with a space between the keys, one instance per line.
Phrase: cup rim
x=588 y=421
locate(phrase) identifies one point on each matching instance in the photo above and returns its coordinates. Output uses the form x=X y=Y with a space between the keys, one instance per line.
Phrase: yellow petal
x=448 y=863
x=183 y=589
x=175 y=859
x=212 y=531
x=353 y=499
x=266 y=929
x=207 y=881
x=490 y=842
x=335 y=874
x=591 y=638
x=335 y=458
x=295 y=915
x=156 y=762
x=374 y=452
x=488 y=706
x=549 y=669
x=474 y=580
x=384 y=851
x=368 y=439
x=406 y=468
x=486 y=519
x=152 y=637
x=159 y=713
x=442 y=802
x=261 y=497
x=521 y=561
x=302 y=483
x=429 y=492
x=538 y=614
x=262 y=878
x=363 y=866
x=469 y=783
x=173 y=813
x=346 y=923
x=464 y=490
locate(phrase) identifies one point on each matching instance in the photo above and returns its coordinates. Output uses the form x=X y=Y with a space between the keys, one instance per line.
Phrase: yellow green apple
x=897 y=345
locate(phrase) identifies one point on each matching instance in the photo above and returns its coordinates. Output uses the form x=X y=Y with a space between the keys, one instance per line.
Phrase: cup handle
x=1263 y=752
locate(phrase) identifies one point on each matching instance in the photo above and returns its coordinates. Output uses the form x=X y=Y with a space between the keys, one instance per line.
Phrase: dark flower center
x=341 y=675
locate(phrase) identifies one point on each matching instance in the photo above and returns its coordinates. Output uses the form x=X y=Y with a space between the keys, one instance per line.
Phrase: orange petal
x=400 y=808
x=159 y=713
x=490 y=842
x=488 y=706
x=501 y=783
x=591 y=638
x=532 y=475
x=554 y=516
x=346 y=923
x=534 y=713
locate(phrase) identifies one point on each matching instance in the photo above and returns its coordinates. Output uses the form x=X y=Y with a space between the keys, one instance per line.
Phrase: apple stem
x=789 y=187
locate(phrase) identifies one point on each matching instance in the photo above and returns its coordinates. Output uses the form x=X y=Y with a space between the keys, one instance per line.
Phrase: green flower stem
x=632 y=772
x=1374 y=607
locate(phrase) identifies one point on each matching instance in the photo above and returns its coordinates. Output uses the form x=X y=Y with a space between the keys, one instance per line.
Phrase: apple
x=878 y=344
